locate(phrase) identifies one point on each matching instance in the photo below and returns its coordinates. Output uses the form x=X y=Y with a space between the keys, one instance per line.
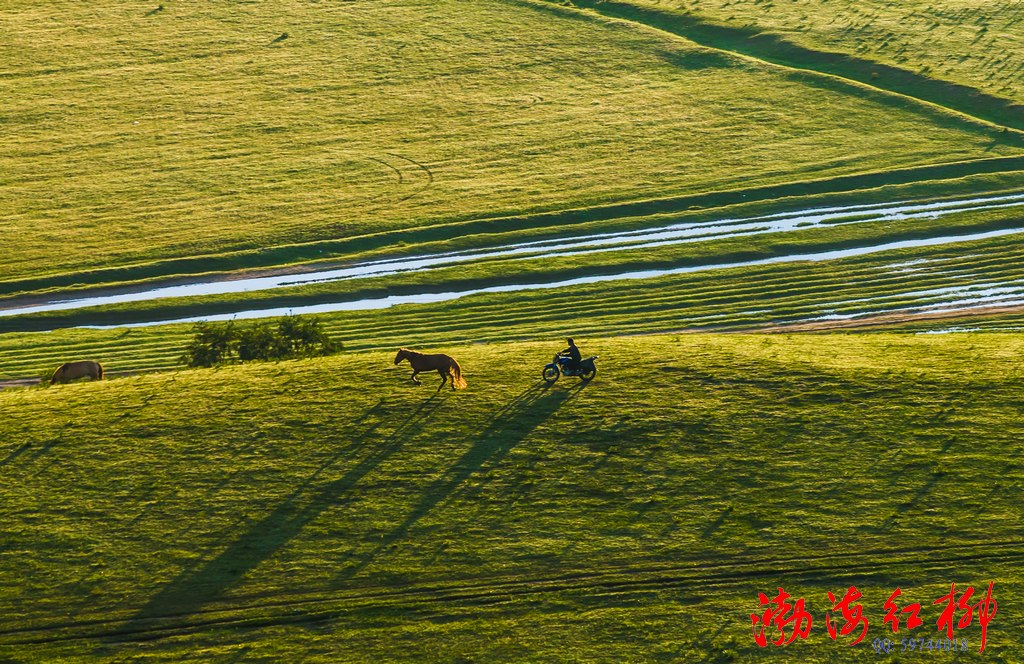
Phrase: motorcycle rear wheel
x=588 y=374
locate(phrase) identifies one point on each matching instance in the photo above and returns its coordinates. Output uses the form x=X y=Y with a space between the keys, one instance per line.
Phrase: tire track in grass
x=418 y=178
x=305 y=606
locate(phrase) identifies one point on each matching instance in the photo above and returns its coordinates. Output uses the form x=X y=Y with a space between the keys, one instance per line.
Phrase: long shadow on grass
x=18 y=451
x=26 y=446
x=195 y=587
x=510 y=426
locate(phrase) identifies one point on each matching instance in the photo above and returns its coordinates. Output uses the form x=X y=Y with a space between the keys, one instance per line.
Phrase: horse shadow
x=39 y=451
x=509 y=427
x=207 y=581
x=17 y=452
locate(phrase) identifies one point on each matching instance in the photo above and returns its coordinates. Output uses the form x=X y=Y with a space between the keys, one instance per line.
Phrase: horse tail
x=58 y=374
x=99 y=371
x=456 y=373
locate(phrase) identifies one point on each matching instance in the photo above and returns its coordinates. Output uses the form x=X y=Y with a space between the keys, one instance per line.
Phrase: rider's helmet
x=571 y=343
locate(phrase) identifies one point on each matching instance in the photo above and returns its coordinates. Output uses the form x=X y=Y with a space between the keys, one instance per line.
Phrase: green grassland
x=196 y=129
x=974 y=49
x=328 y=510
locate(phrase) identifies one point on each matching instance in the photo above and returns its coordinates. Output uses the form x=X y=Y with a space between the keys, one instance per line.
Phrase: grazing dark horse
x=70 y=371
x=444 y=365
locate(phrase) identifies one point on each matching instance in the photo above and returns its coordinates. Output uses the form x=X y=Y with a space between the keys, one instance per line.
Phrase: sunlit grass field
x=138 y=133
x=328 y=510
x=980 y=44
x=977 y=45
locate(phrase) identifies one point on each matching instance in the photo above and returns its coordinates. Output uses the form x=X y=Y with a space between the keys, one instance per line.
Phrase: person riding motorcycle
x=569 y=362
x=573 y=353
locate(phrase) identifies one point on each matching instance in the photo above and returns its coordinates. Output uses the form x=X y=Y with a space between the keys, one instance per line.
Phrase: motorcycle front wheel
x=550 y=374
x=588 y=374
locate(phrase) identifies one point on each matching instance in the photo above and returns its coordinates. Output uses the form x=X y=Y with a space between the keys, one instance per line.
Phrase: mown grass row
x=733 y=299
x=327 y=510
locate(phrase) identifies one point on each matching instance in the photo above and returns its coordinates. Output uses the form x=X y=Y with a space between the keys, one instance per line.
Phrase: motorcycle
x=560 y=367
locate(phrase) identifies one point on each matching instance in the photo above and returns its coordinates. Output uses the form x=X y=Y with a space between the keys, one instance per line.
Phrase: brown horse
x=70 y=371
x=444 y=365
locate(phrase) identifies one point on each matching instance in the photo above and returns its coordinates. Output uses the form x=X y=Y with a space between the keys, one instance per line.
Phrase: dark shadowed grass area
x=329 y=510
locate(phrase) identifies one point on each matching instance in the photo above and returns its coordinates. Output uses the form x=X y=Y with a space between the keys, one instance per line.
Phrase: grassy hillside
x=181 y=129
x=973 y=44
x=327 y=510
x=675 y=166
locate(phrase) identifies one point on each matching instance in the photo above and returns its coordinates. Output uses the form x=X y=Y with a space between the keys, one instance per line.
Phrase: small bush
x=305 y=337
x=211 y=344
x=293 y=336
x=261 y=342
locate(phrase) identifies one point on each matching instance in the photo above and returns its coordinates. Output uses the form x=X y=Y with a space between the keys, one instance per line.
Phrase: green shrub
x=294 y=336
x=260 y=342
x=305 y=337
x=211 y=344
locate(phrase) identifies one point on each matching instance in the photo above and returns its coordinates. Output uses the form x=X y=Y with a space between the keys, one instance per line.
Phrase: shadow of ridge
x=510 y=426
x=778 y=49
x=710 y=529
x=39 y=451
x=195 y=587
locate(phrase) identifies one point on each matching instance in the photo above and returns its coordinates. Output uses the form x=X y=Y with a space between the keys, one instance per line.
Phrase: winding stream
x=430 y=298
x=672 y=234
